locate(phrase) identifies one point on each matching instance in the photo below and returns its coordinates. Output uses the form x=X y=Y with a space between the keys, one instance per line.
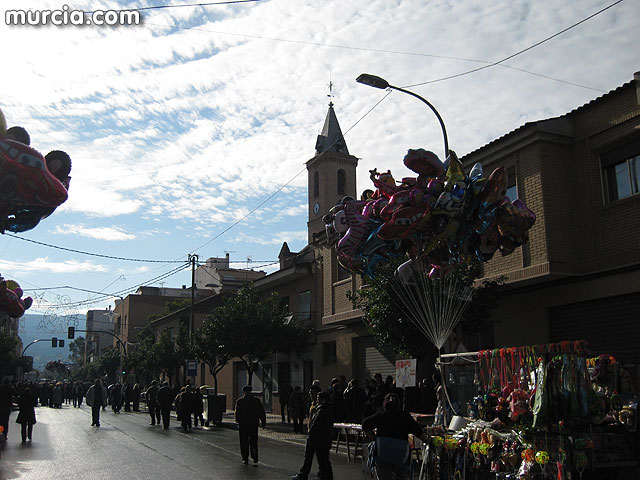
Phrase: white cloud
x=45 y=265
x=111 y=234
x=177 y=133
x=277 y=238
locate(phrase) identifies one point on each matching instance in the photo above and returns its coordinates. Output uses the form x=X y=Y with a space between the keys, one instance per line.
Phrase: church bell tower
x=331 y=174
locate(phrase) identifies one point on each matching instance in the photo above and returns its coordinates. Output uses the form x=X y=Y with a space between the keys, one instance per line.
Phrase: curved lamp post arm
x=377 y=82
x=35 y=341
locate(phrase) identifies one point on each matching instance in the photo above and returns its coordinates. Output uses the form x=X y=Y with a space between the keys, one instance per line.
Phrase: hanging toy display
x=32 y=185
x=441 y=215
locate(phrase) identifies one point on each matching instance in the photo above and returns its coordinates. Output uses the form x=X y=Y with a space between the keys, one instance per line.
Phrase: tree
x=164 y=353
x=211 y=346
x=254 y=329
x=57 y=368
x=170 y=307
x=183 y=346
x=7 y=346
x=77 y=348
x=108 y=363
x=141 y=359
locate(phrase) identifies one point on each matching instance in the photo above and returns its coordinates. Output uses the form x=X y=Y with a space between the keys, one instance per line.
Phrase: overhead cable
x=92 y=254
x=517 y=53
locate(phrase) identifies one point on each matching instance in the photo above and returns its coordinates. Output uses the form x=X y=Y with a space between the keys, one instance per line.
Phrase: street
x=126 y=447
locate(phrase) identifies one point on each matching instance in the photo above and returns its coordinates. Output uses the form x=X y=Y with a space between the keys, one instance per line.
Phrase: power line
x=399 y=52
x=517 y=53
x=92 y=254
x=128 y=290
x=301 y=171
x=207 y=4
x=252 y=211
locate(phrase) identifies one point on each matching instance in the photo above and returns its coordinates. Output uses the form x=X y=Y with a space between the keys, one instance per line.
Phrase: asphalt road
x=125 y=446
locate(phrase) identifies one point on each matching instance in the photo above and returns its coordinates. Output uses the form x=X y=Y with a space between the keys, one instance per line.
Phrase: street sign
x=192 y=368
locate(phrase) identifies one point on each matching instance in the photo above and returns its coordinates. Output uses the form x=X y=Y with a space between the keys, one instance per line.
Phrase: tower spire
x=330 y=138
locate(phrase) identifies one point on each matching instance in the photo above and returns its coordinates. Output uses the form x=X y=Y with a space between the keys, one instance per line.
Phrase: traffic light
x=72 y=333
x=61 y=343
x=54 y=342
x=124 y=372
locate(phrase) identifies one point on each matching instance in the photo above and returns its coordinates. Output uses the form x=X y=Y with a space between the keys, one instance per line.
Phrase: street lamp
x=377 y=82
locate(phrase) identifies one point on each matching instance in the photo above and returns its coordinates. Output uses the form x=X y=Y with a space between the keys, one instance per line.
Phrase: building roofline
x=529 y=125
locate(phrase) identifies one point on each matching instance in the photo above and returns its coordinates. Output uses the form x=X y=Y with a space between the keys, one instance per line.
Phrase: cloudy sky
x=189 y=133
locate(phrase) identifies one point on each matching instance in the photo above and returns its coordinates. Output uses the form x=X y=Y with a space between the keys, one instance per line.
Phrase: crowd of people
x=353 y=401
x=376 y=404
x=379 y=406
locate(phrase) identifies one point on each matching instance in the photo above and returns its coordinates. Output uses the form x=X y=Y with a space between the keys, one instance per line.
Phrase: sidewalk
x=275 y=429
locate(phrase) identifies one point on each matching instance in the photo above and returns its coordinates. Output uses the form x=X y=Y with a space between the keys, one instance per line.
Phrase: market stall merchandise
x=546 y=412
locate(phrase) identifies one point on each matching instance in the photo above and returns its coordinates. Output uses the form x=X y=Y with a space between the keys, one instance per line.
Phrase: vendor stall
x=543 y=412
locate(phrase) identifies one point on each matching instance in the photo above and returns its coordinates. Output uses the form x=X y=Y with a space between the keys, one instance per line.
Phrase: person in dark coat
x=96 y=399
x=198 y=407
x=336 y=397
x=76 y=394
x=27 y=415
x=354 y=401
x=135 y=397
x=116 y=397
x=185 y=399
x=152 y=403
x=297 y=409
x=249 y=413
x=318 y=439
x=285 y=392
x=165 y=399
x=126 y=394
x=391 y=426
x=6 y=400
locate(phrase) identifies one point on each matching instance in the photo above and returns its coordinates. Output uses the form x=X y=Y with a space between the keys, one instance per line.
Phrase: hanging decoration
x=32 y=186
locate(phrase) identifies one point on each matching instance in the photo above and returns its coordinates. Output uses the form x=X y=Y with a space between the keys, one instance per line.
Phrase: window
x=512 y=187
x=329 y=356
x=304 y=305
x=284 y=304
x=316 y=185
x=342 y=182
x=623 y=179
x=343 y=273
x=621 y=172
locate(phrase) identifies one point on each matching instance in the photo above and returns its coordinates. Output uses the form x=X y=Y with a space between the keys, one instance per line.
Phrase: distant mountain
x=33 y=327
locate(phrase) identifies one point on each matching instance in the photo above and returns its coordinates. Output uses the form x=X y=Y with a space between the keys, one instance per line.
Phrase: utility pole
x=193 y=259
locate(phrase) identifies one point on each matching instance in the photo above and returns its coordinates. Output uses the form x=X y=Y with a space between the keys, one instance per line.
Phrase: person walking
x=186 y=406
x=285 y=397
x=6 y=401
x=126 y=394
x=135 y=397
x=116 y=397
x=319 y=439
x=56 y=396
x=392 y=428
x=297 y=409
x=249 y=413
x=152 y=403
x=76 y=394
x=198 y=407
x=165 y=399
x=27 y=414
x=96 y=399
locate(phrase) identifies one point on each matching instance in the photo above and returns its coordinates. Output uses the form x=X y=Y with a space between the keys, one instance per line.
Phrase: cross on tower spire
x=330 y=92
